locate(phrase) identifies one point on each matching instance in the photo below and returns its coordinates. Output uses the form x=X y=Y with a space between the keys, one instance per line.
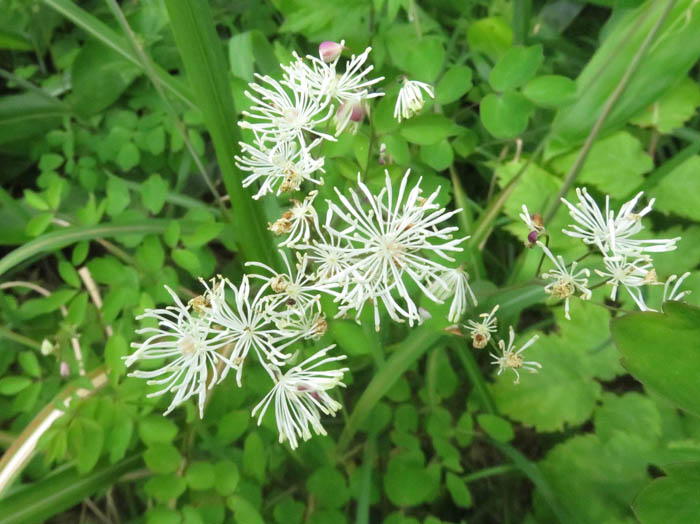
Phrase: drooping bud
x=531 y=239
x=329 y=51
x=350 y=112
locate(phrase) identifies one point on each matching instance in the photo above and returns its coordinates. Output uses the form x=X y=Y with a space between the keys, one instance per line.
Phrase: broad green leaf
x=428 y=129
x=85 y=440
x=187 y=260
x=162 y=458
x=13 y=384
x=162 y=515
x=496 y=427
x=666 y=62
x=458 y=490
x=227 y=477
x=154 y=192
x=27 y=115
x=631 y=413
x=115 y=349
x=200 y=476
x=516 y=67
x=29 y=363
x=562 y=393
x=677 y=192
x=99 y=77
x=615 y=165
x=128 y=157
x=289 y=511
x=38 y=224
x=672 y=374
x=156 y=428
x=673 y=498
x=505 y=115
x=254 y=457
x=243 y=511
x=69 y=273
x=550 y=91
x=165 y=487
x=407 y=482
x=426 y=59
x=491 y=36
x=456 y=81
x=329 y=487
x=118 y=197
x=673 y=109
x=438 y=156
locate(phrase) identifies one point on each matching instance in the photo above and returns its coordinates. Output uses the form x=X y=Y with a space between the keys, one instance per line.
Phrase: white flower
x=308 y=324
x=298 y=222
x=410 y=99
x=196 y=346
x=279 y=116
x=453 y=283
x=322 y=79
x=283 y=167
x=512 y=359
x=294 y=289
x=673 y=293
x=301 y=396
x=331 y=258
x=249 y=326
x=566 y=281
x=631 y=275
x=388 y=238
x=612 y=233
x=481 y=331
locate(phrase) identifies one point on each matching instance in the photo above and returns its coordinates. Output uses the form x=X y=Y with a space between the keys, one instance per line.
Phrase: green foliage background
x=117 y=136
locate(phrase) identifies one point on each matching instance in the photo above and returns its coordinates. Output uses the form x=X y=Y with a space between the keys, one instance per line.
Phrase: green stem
x=607 y=108
x=476 y=378
x=490 y=472
x=20 y=339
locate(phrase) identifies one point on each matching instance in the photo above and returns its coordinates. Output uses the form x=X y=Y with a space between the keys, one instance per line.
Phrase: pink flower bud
x=532 y=238
x=64 y=369
x=329 y=51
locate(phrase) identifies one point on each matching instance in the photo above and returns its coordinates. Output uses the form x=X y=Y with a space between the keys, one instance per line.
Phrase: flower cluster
x=627 y=259
x=371 y=249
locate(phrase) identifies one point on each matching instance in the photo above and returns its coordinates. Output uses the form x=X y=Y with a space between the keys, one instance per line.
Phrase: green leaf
x=438 y=156
x=516 y=67
x=227 y=477
x=407 y=482
x=505 y=115
x=13 y=385
x=496 y=427
x=56 y=493
x=243 y=511
x=38 y=224
x=118 y=197
x=29 y=363
x=50 y=162
x=99 y=76
x=631 y=413
x=156 y=428
x=672 y=374
x=153 y=193
x=102 y=32
x=458 y=490
x=85 y=439
x=615 y=165
x=162 y=515
x=69 y=273
x=27 y=115
x=119 y=436
x=165 y=487
x=426 y=59
x=669 y=58
x=232 y=426
x=550 y=91
x=428 y=129
x=201 y=476
x=200 y=49
x=254 y=457
x=456 y=81
x=115 y=349
x=289 y=511
x=128 y=157
x=562 y=393
x=162 y=458
x=329 y=487
x=187 y=260
x=673 y=109
x=673 y=498
x=677 y=192
x=491 y=36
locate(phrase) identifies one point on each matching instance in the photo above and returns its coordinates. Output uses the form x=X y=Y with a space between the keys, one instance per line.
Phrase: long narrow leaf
x=58 y=239
x=56 y=493
x=204 y=61
x=113 y=40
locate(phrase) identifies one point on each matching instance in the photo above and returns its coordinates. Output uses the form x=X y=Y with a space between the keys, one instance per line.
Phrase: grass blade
x=70 y=235
x=205 y=65
x=113 y=40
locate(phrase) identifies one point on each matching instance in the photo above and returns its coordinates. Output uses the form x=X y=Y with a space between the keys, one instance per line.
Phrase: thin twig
x=94 y=293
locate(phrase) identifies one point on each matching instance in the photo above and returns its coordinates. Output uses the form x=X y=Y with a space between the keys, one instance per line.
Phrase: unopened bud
x=329 y=51
x=64 y=369
x=537 y=220
x=47 y=347
x=531 y=238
